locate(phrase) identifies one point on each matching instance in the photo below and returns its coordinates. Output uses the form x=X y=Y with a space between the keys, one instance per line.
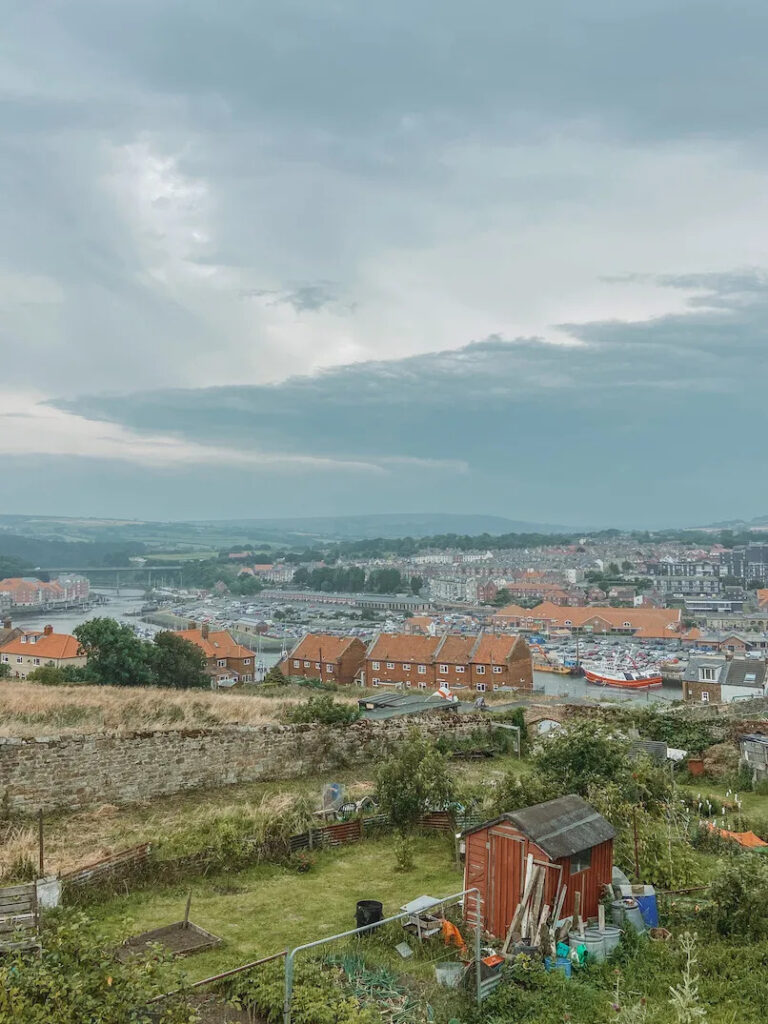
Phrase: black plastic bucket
x=368 y=912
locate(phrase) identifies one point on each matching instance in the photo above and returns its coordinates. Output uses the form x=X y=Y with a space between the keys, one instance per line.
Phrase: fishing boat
x=543 y=663
x=540 y=665
x=629 y=678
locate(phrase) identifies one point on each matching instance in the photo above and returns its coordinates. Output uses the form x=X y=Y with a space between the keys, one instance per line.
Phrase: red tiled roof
x=313 y=645
x=647 y=622
x=218 y=644
x=449 y=649
x=56 y=646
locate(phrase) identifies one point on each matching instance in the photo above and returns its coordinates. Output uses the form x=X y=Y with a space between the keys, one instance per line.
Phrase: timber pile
x=534 y=925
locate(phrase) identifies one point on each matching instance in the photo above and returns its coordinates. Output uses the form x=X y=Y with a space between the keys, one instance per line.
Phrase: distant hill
x=388 y=526
x=758 y=523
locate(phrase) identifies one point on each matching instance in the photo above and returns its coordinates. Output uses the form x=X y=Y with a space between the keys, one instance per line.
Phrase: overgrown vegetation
x=76 y=980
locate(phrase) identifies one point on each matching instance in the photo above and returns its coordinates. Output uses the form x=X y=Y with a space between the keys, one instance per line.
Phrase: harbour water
x=577 y=686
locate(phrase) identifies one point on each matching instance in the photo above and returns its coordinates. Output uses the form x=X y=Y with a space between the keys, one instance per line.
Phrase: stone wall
x=78 y=771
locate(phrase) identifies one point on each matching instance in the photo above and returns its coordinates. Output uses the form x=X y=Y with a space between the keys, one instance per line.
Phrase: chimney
x=192 y=624
x=47 y=630
x=204 y=630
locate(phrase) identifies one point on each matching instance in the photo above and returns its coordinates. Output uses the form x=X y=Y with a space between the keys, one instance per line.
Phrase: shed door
x=506 y=881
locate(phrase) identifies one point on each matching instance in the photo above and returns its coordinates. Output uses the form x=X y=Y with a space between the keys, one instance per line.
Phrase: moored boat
x=632 y=679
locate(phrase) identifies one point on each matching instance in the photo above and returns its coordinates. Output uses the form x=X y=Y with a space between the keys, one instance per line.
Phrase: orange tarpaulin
x=748 y=839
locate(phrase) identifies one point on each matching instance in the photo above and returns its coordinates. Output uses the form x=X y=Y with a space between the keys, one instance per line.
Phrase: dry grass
x=18 y=847
x=29 y=709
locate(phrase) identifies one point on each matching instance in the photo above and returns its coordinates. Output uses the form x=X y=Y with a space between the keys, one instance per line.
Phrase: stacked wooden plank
x=535 y=924
x=19 y=918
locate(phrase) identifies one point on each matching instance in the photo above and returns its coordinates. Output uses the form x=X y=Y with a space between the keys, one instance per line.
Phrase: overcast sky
x=293 y=258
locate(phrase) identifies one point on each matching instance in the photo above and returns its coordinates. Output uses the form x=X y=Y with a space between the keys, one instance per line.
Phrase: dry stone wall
x=79 y=771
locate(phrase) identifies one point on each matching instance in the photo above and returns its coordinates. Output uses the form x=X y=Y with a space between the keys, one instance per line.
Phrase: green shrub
x=322 y=710
x=739 y=894
x=320 y=995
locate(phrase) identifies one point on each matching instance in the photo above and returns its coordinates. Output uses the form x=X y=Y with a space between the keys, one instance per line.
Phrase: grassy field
x=268 y=907
x=29 y=709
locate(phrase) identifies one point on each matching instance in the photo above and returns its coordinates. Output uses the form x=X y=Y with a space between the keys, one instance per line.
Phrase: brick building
x=227 y=661
x=480 y=663
x=335 y=659
x=35 y=649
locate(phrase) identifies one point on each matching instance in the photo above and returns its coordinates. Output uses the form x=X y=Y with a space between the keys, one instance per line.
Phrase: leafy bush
x=580 y=755
x=739 y=893
x=323 y=710
x=75 y=980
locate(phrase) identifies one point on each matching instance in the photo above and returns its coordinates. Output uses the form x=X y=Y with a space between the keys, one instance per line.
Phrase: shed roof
x=560 y=827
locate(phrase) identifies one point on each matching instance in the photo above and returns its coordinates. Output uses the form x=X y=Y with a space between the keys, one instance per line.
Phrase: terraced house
x=227 y=661
x=479 y=663
x=334 y=659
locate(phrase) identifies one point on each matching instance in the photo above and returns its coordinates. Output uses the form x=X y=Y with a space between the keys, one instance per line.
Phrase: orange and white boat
x=624 y=679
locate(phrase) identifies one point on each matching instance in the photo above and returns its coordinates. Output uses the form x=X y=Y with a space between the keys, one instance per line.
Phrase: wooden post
x=637 y=853
x=41 y=845
x=186 y=911
x=601 y=917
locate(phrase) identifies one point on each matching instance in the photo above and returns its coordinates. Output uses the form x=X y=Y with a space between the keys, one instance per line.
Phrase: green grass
x=268 y=907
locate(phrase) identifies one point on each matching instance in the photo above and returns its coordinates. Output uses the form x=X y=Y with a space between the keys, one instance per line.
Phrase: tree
x=115 y=654
x=417 y=582
x=275 y=677
x=5 y=671
x=580 y=755
x=178 y=664
x=414 y=780
x=613 y=570
x=503 y=597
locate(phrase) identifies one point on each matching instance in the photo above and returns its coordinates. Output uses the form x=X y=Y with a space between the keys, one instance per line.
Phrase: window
x=390 y=664
x=5 y=658
x=706 y=673
x=19 y=660
x=36 y=661
x=408 y=684
x=296 y=664
x=580 y=861
x=459 y=668
x=406 y=666
x=443 y=669
x=329 y=667
x=246 y=661
x=568 y=622
x=627 y=625
x=422 y=686
x=481 y=670
x=705 y=696
x=422 y=670
x=481 y=687
x=496 y=669
x=375 y=664
x=222 y=662
x=376 y=682
x=306 y=664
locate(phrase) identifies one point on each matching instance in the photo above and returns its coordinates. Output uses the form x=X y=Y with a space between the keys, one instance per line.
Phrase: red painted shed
x=566 y=836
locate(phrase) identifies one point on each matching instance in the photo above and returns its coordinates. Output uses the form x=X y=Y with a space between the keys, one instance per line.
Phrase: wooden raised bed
x=179 y=938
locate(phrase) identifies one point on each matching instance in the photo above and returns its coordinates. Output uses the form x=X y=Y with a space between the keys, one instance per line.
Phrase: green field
x=269 y=907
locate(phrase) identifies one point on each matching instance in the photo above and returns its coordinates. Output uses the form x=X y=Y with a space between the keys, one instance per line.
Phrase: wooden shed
x=567 y=837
